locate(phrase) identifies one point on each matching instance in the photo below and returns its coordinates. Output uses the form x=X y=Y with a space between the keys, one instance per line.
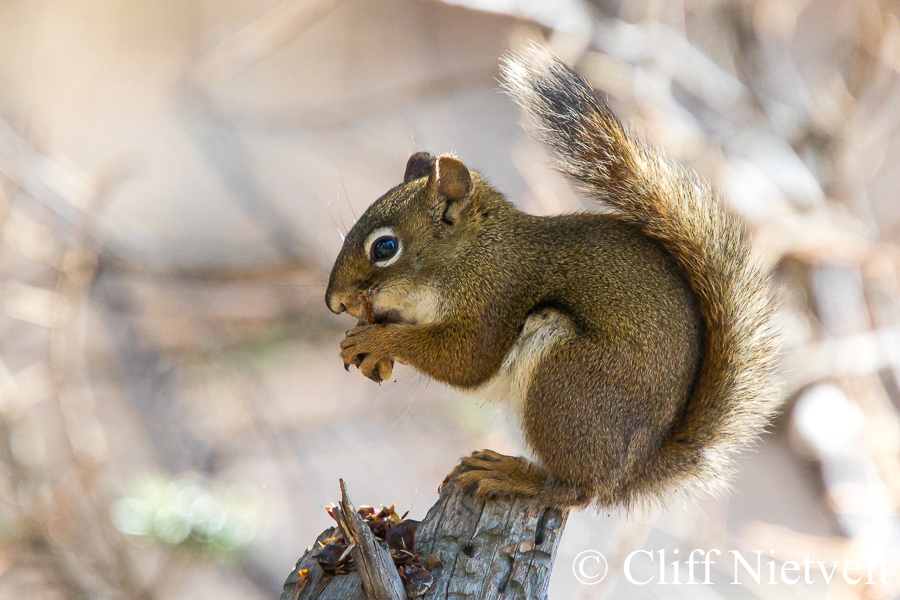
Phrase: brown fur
x=639 y=341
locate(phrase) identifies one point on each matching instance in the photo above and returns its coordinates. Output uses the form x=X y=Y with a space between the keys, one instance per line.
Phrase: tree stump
x=490 y=549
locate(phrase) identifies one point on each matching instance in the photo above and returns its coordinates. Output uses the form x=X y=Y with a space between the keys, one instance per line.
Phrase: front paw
x=364 y=347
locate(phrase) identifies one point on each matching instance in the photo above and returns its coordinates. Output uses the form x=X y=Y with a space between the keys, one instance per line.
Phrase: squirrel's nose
x=332 y=303
x=336 y=308
x=344 y=301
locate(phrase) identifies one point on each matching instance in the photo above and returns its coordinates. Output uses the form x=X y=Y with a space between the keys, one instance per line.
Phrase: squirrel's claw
x=376 y=368
x=490 y=474
x=360 y=349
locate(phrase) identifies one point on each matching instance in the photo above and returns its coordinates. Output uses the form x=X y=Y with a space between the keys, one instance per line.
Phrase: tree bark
x=488 y=549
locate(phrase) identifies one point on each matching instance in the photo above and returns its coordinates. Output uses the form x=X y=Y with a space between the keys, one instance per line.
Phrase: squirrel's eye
x=384 y=248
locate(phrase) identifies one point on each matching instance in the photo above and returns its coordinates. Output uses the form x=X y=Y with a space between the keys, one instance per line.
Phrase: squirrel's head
x=398 y=248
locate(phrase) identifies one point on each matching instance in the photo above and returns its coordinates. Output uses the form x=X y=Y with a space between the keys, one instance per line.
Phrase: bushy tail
x=733 y=398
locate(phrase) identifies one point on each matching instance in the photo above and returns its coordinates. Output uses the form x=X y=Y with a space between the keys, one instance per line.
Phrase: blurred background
x=175 y=180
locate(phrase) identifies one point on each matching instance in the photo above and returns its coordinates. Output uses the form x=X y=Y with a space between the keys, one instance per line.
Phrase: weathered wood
x=377 y=572
x=495 y=549
x=490 y=549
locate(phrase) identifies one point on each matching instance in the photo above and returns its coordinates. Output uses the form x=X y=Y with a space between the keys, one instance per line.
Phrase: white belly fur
x=509 y=386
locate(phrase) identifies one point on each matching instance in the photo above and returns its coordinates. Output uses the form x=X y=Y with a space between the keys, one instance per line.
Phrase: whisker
x=347 y=198
x=341 y=215
x=407 y=412
x=416 y=383
x=322 y=248
x=330 y=216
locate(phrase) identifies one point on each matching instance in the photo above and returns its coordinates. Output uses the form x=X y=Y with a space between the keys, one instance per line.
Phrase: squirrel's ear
x=420 y=164
x=453 y=185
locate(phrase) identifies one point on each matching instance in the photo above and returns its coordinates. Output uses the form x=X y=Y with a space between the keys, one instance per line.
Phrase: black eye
x=384 y=248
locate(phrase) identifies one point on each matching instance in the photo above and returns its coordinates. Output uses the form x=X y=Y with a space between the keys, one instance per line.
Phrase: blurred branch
x=87 y=439
x=363 y=104
x=284 y=272
x=260 y=38
x=64 y=191
x=101 y=563
x=225 y=149
x=149 y=382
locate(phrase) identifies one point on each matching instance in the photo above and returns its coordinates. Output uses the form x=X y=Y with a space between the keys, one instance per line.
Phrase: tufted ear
x=453 y=185
x=420 y=164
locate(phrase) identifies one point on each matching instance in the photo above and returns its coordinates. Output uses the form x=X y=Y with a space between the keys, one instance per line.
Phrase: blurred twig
x=63 y=190
x=258 y=39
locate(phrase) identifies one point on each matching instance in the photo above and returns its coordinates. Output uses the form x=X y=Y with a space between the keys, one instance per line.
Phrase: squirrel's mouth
x=391 y=317
x=369 y=316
